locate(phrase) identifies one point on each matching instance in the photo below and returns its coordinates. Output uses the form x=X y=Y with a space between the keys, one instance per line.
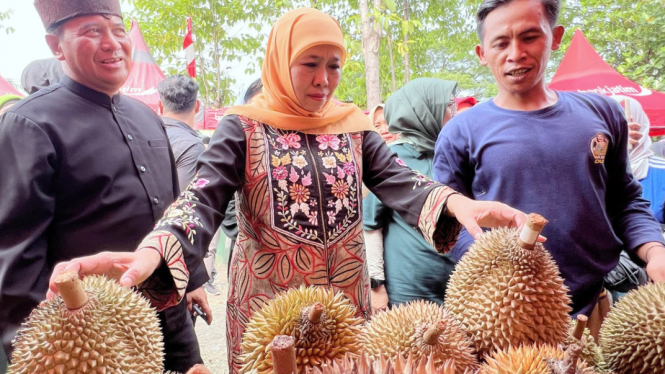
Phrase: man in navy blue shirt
x=559 y=154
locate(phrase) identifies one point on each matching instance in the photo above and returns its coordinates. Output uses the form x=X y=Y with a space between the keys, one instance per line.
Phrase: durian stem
x=284 y=355
x=531 y=230
x=581 y=325
x=431 y=336
x=315 y=313
x=571 y=357
x=71 y=289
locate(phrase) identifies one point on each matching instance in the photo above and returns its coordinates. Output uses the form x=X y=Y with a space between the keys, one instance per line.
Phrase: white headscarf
x=640 y=154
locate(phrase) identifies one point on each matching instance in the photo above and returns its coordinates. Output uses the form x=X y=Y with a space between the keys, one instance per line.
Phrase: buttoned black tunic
x=80 y=173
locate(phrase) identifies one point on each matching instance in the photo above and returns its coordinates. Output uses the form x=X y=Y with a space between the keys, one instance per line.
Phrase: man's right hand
x=379 y=299
x=130 y=268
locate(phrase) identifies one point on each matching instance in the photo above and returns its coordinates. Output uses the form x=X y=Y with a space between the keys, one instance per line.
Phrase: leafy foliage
x=4 y=16
x=224 y=31
x=628 y=34
x=441 y=39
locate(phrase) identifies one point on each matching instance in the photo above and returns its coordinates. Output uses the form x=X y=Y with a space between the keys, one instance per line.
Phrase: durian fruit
x=531 y=359
x=507 y=291
x=322 y=322
x=419 y=329
x=364 y=364
x=524 y=360
x=632 y=336
x=95 y=326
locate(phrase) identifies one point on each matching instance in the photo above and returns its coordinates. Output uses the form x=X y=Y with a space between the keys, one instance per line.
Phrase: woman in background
x=402 y=265
x=378 y=119
x=647 y=168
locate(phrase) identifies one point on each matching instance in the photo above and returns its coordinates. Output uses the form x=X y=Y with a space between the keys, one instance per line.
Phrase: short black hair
x=552 y=8
x=178 y=93
x=252 y=91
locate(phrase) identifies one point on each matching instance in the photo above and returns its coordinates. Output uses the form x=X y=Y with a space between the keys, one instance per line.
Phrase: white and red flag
x=188 y=46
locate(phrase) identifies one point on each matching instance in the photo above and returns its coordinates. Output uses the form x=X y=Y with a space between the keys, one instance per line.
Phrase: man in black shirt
x=83 y=170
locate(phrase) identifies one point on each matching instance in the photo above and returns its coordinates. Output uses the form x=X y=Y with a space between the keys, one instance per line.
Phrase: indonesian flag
x=188 y=46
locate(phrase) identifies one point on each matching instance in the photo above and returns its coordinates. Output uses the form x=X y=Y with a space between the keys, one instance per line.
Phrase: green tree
x=628 y=34
x=4 y=16
x=225 y=31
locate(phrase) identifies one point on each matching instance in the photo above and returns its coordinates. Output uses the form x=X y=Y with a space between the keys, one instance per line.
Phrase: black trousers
x=181 y=347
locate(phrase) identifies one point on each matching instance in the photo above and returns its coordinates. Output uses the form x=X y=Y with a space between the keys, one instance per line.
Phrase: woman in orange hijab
x=296 y=160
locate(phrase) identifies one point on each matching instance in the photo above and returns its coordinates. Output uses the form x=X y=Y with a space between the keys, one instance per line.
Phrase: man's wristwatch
x=374 y=283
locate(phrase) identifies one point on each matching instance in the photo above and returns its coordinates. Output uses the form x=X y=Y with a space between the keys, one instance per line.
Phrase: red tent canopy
x=145 y=73
x=582 y=69
x=6 y=88
x=211 y=118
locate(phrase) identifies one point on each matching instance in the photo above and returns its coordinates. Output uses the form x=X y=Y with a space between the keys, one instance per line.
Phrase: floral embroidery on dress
x=308 y=169
x=182 y=213
x=420 y=180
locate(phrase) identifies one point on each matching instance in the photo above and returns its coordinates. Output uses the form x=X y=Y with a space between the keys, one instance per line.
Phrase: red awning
x=145 y=73
x=583 y=70
x=6 y=88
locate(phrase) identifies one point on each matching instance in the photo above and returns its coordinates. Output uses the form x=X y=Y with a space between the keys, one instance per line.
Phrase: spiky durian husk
x=400 y=331
x=523 y=360
x=530 y=359
x=331 y=338
x=632 y=336
x=505 y=295
x=115 y=332
x=363 y=364
x=591 y=352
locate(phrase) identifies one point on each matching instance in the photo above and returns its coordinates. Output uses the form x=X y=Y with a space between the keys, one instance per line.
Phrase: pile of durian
x=506 y=312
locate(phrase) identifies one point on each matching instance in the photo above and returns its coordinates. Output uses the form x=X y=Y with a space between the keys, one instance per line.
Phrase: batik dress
x=299 y=214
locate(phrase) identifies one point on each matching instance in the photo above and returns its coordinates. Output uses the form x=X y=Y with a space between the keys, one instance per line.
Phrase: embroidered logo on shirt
x=599 y=145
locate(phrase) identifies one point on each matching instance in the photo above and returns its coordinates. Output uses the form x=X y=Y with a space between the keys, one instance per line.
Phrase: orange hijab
x=277 y=104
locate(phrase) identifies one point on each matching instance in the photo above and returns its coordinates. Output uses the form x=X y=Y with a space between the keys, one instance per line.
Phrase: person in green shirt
x=402 y=265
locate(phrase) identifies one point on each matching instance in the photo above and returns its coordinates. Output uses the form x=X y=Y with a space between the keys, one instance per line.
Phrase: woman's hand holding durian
x=474 y=214
x=129 y=268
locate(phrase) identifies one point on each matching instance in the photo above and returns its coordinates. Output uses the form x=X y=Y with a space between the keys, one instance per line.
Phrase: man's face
x=517 y=42
x=96 y=50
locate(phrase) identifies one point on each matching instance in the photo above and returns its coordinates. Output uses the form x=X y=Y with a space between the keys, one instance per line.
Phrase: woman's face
x=382 y=126
x=451 y=110
x=315 y=75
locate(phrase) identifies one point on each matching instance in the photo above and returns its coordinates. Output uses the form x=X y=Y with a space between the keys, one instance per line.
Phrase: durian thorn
x=71 y=289
x=431 y=336
x=581 y=325
x=284 y=355
x=315 y=313
x=531 y=230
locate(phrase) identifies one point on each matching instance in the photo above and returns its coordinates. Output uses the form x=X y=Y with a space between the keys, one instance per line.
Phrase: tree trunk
x=407 y=75
x=203 y=79
x=392 y=62
x=217 y=101
x=371 y=35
